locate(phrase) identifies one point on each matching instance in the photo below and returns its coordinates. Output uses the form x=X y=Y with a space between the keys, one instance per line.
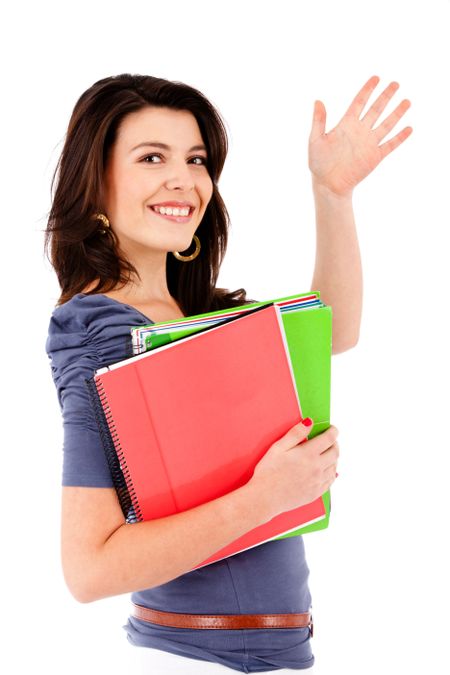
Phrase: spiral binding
x=113 y=451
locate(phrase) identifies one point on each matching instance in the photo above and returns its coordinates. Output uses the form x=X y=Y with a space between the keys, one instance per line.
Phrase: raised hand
x=340 y=159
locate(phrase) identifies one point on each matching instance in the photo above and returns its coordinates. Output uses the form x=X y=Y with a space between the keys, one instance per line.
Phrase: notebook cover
x=230 y=388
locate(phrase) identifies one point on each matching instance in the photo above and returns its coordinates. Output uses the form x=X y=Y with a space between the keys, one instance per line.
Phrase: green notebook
x=308 y=326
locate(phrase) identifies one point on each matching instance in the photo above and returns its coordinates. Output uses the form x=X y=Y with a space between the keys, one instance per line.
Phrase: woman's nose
x=180 y=175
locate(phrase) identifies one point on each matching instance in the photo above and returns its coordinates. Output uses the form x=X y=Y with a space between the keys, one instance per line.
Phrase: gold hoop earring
x=186 y=258
x=104 y=220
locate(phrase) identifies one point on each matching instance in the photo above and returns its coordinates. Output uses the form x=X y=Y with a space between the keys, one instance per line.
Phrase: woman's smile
x=177 y=219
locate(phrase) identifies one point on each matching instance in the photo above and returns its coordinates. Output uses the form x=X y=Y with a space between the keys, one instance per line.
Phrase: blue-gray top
x=89 y=332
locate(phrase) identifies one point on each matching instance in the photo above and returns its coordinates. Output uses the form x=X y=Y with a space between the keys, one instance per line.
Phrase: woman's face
x=138 y=177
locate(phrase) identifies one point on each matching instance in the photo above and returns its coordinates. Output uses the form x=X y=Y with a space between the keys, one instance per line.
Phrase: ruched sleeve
x=84 y=334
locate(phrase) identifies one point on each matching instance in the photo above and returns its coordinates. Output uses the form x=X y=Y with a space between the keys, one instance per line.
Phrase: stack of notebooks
x=187 y=418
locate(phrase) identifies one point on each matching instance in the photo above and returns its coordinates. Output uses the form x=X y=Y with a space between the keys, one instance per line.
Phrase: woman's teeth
x=172 y=211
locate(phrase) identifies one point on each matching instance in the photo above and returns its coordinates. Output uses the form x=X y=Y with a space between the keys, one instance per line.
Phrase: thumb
x=319 y=121
x=295 y=435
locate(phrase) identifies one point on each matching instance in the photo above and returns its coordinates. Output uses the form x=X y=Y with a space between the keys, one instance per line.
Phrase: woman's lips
x=177 y=219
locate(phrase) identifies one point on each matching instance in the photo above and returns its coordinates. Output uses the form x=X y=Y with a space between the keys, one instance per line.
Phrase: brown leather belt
x=224 y=621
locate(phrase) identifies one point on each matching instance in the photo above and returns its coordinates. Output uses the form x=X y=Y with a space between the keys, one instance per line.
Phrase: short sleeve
x=79 y=334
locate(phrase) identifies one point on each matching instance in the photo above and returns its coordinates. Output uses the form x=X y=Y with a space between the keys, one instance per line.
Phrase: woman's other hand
x=340 y=159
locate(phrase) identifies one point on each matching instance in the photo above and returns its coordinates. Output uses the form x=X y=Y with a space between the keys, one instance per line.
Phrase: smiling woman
x=116 y=237
x=134 y=185
x=114 y=126
x=115 y=232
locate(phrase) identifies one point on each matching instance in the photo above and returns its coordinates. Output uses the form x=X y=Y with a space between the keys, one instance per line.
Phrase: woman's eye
x=148 y=156
x=204 y=160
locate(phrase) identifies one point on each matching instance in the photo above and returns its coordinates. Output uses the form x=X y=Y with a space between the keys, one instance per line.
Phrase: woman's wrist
x=257 y=503
x=324 y=193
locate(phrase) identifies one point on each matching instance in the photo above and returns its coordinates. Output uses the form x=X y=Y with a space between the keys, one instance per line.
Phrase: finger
x=329 y=456
x=389 y=123
x=356 y=107
x=328 y=483
x=331 y=435
x=379 y=105
x=393 y=143
x=323 y=441
x=319 y=121
x=336 y=449
x=295 y=435
x=330 y=472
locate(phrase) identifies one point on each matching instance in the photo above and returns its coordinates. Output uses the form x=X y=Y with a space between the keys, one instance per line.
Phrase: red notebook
x=190 y=420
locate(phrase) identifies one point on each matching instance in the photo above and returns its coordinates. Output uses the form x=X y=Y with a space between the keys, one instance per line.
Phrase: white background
x=379 y=573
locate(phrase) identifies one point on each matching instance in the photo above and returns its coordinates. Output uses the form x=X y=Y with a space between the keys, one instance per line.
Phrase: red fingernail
x=307 y=422
x=337 y=474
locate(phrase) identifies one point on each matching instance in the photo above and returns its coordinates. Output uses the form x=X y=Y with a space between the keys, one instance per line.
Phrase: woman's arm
x=338 y=161
x=103 y=556
x=338 y=271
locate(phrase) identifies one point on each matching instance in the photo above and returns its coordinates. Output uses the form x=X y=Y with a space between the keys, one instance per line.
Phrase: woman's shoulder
x=78 y=313
x=69 y=325
x=92 y=323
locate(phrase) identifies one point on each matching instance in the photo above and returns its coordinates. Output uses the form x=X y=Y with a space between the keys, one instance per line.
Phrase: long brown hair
x=79 y=253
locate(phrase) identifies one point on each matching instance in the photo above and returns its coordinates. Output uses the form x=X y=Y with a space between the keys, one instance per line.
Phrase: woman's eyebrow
x=164 y=146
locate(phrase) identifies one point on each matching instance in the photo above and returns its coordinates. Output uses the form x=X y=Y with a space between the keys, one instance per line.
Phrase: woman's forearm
x=338 y=271
x=147 y=554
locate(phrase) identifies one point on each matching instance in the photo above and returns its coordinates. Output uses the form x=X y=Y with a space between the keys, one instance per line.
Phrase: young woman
x=137 y=149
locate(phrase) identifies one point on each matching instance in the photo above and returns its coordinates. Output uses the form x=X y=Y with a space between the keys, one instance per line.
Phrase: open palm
x=340 y=159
